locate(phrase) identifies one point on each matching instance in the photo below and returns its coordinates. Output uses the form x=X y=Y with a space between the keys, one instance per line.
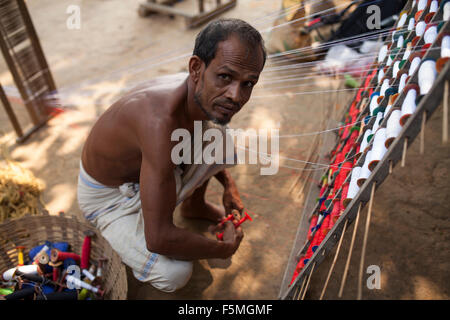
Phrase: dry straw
x=20 y=190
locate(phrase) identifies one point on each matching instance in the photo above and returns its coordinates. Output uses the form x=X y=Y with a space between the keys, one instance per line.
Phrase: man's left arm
x=231 y=198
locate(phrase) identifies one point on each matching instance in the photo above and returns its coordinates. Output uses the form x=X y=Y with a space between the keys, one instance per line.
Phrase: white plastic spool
x=378 y=148
x=434 y=6
x=393 y=127
x=385 y=86
x=446 y=11
x=411 y=24
x=402 y=20
x=407 y=51
x=75 y=282
x=445 y=46
x=414 y=65
x=365 y=172
x=374 y=103
x=400 y=42
x=382 y=53
x=27 y=269
x=353 y=187
x=427 y=76
x=389 y=62
x=408 y=106
x=364 y=141
x=402 y=82
x=388 y=108
x=420 y=28
x=376 y=124
x=396 y=69
x=422 y=4
x=430 y=35
x=380 y=75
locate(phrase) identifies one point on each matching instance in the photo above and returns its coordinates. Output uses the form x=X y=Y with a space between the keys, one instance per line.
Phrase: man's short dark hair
x=220 y=30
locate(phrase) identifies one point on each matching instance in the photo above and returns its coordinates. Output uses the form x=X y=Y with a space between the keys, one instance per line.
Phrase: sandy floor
x=116 y=49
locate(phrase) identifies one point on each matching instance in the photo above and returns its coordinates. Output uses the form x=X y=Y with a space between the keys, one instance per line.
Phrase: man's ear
x=195 y=68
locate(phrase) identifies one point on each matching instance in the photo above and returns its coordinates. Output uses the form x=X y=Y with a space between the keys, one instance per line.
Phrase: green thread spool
x=84 y=293
x=350 y=81
x=6 y=291
x=378 y=109
x=355 y=128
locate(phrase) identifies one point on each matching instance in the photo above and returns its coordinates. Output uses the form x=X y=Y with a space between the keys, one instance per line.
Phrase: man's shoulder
x=151 y=111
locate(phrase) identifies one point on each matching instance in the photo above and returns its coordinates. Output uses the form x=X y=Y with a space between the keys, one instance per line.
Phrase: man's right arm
x=158 y=200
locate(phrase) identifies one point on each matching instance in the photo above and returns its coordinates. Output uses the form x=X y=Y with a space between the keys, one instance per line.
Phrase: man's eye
x=225 y=77
x=249 y=84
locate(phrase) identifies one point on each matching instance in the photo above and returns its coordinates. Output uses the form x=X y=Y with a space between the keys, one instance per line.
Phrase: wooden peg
x=445 y=115
x=307 y=282
x=334 y=260
x=349 y=256
x=422 y=133
x=391 y=166
x=405 y=147
x=297 y=297
x=366 y=235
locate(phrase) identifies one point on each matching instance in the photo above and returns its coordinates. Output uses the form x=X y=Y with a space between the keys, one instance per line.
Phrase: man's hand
x=232 y=200
x=232 y=236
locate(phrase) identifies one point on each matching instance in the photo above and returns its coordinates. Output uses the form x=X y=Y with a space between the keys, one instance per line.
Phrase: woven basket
x=31 y=231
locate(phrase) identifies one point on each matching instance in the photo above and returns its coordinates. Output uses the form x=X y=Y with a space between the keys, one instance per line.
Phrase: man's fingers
x=239 y=233
x=236 y=214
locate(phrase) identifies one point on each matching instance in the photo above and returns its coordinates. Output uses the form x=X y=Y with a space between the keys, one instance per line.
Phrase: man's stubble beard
x=197 y=99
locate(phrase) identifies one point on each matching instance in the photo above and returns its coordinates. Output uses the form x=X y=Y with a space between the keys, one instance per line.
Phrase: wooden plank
x=11 y=115
x=165 y=9
x=202 y=18
x=16 y=76
x=36 y=44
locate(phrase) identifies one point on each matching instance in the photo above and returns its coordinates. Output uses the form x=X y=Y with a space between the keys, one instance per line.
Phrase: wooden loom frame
x=425 y=108
x=192 y=20
x=33 y=87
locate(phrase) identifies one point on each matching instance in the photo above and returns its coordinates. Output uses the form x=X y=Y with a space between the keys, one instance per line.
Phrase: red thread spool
x=56 y=255
x=86 y=250
x=322 y=190
x=335 y=214
x=298 y=269
x=323 y=207
x=345 y=134
x=325 y=227
x=314 y=243
x=344 y=193
x=56 y=274
x=324 y=230
x=353 y=138
x=345 y=170
x=347 y=147
x=340 y=158
x=312 y=225
x=339 y=180
x=294 y=276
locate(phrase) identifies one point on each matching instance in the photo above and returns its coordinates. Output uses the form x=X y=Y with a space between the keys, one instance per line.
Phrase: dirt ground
x=115 y=49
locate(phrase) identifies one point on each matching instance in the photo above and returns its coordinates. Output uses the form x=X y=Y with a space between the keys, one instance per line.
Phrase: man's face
x=227 y=83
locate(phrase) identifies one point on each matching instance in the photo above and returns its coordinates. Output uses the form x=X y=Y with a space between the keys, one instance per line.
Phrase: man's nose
x=234 y=92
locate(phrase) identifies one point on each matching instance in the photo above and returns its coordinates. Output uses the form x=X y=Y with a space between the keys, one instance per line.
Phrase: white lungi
x=117 y=213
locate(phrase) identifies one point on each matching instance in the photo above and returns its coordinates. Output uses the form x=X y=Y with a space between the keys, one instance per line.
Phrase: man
x=129 y=186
